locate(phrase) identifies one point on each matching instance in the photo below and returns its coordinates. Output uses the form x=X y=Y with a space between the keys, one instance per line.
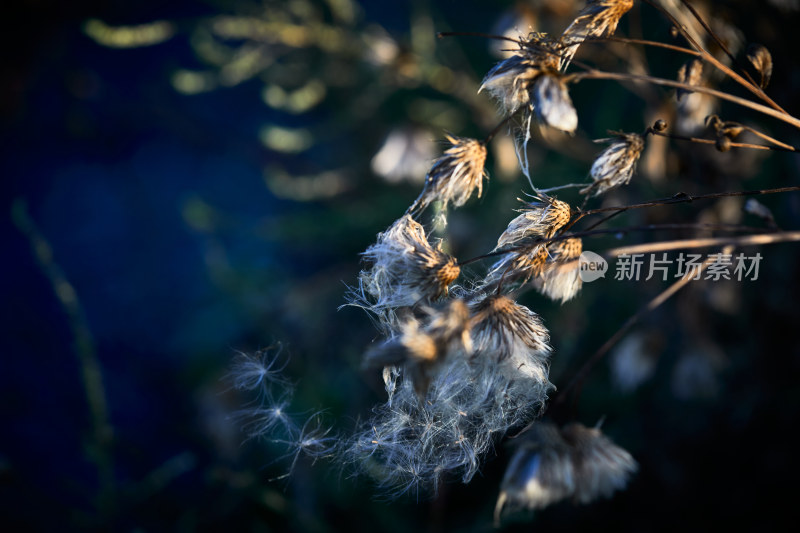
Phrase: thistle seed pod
x=504 y=329
x=455 y=175
x=540 y=218
x=615 y=165
x=404 y=269
x=517 y=266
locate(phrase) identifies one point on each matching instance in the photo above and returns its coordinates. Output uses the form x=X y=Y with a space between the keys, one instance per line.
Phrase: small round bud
x=723 y=144
x=660 y=125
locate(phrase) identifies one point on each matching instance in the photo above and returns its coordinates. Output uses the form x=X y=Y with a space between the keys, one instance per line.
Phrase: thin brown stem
x=601 y=75
x=738 y=240
x=719 y=42
x=645 y=42
x=782 y=148
x=681 y=198
x=707 y=56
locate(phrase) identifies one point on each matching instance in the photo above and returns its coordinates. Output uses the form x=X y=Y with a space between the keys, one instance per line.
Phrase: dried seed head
x=511 y=81
x=615 y=165
x=511 y=333
x=598 y=19
x=761 y=59
x=690 y=73
x=552 y=464
x=540 y=218
x=404 y=269
x=420 y=347
x=553 y=105
x=455 y=175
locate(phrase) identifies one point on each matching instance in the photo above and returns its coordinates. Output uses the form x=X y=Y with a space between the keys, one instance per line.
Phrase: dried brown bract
x=599 y=18
x=455 y=175
x=615 y=165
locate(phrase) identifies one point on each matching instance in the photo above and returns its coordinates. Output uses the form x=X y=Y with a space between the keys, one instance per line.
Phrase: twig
x=719 y=42
x=682 y=197
x=601 y=75
x=741 y=240
x=707 y=56
x=779 y=148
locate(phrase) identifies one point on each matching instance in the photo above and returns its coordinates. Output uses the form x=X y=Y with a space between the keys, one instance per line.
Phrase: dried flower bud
x=511 y=81
x=553 y=464
x=660 y=125
x=599 y=18
x=455 y=175
x=615 y=165
x=691 y=74
x=761 y=59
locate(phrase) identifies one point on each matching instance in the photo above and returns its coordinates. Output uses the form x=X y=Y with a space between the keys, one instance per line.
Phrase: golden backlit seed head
x=456 y=175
